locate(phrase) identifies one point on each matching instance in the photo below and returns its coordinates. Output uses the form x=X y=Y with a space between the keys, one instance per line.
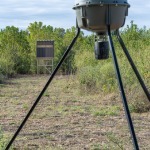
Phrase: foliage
x=139 y=102
x=137 y=41
x=101 y=76
x=3 y=140
x=62 y=38
x=14 y=51
x=6 y=66
x=37 y=31
x=107 y=111
x=18 y=55
x=114 y=143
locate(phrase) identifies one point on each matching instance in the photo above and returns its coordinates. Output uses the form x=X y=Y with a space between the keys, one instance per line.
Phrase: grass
x=66 y=119
x=107 y=111
x=3 y=140
x=114 y=143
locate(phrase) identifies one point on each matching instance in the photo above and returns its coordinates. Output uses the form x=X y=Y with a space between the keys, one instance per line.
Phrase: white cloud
x=58 y=13
x=27 y=11
x=139 y=12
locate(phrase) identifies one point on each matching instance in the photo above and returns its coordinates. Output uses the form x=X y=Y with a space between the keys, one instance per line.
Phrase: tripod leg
x=124 y=100
x=132 y=65
x=44 y=89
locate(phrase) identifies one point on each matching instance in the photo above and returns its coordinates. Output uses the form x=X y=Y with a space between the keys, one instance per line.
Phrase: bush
x=138 y=101
x=84 y=59
x=14 y=51
x=98 y=78
x=6 y=67
x=87 y=77
x=1 y=78
x=107 y=77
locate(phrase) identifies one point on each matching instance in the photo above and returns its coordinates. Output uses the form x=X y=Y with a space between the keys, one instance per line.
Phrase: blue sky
x=59 y=13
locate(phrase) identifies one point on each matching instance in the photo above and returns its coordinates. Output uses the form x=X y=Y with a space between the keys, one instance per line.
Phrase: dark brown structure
x=45 y=55
x=45 y=49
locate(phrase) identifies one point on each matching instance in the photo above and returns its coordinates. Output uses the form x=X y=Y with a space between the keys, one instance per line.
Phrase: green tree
x=14 y=50
x=37 y=31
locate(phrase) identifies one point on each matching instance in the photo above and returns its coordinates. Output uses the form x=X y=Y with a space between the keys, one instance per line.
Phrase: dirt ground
x=66 y=119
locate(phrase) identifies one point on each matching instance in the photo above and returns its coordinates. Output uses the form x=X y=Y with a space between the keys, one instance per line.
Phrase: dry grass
x=66 y=120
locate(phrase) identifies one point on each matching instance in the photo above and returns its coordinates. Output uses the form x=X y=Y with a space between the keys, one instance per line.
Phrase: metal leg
x=124 y=100
x=132 y=65
x=44 y=89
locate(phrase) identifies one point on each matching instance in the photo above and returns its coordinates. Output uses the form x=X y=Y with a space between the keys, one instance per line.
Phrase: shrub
x=107 y=78
x=98 y=78
x=87 y=77
x=138 y=101
x=6 y=67
x=84 y=59
x=1 y=78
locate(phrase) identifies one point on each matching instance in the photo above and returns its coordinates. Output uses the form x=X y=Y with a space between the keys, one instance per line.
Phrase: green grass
x=3 y=140
x=113 y=143
x=107 y=111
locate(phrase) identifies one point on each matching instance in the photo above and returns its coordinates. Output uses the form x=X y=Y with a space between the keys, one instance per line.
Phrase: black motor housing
x=101 y=50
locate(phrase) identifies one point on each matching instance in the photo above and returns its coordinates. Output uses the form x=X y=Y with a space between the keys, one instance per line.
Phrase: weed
x=46 y=94
x=139 y=102
x=118 y=143
x=3 y=140
x=25 y=106
x=114 y=143
x=107 y=111
x=96 y=147
x=74 y=100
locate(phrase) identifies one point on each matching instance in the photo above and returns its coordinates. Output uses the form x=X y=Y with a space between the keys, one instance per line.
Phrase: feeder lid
x=97 y=2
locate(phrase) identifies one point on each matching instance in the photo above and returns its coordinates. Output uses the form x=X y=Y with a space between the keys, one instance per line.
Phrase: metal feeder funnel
x=95 y=15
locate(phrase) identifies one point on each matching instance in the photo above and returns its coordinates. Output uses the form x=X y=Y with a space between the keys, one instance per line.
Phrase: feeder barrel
x=96 y=15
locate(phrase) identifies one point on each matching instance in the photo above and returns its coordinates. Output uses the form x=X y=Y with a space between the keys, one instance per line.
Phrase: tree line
x=18 y=47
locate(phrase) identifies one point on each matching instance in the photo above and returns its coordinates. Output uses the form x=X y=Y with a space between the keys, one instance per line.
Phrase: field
x=65 y=118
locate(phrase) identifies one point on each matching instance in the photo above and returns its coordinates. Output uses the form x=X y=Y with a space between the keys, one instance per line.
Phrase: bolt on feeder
x=96 y=15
